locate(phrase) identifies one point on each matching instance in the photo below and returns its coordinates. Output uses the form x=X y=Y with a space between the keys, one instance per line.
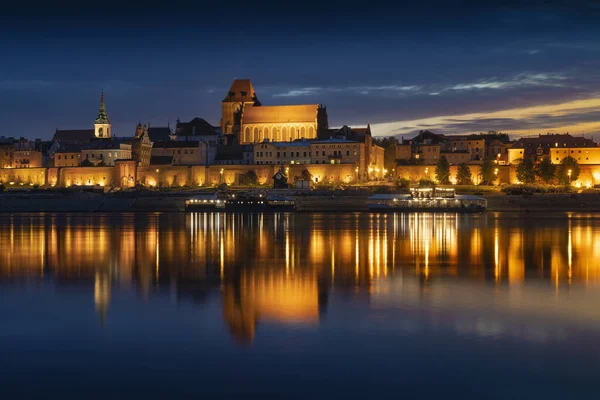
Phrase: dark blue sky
x=454 y=67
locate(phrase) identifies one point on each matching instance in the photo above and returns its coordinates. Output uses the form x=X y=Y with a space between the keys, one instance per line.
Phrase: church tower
x=240 y=95
x=102 y=124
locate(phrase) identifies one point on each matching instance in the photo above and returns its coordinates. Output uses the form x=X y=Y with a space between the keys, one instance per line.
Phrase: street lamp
x=222 y=175
x=496 y=173
x=356 y=170
x=569 y=173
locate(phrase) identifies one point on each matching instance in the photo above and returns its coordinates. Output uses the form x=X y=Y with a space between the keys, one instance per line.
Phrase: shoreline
x=332 y=203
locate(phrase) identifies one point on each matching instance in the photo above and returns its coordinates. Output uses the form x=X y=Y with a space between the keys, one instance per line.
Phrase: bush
x=402 y=183
x=424 y=182
x=529 y=189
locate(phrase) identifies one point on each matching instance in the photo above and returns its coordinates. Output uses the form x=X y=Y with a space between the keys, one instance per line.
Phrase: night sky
x=451 y=67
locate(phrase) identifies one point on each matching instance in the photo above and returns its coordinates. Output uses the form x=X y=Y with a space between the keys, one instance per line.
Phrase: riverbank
x=317 y=202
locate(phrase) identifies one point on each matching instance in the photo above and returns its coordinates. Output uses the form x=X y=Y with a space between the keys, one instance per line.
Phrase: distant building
x=141 y=146
x=26 y=155
x=7 y=152
x=279 y=153
x=538 y=147
x=234 y=155
x=248 y=121
x=183 y=153
x=106 y=151
x=68 y=155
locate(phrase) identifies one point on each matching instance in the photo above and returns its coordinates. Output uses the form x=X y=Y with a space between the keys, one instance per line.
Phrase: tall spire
x=102 y=117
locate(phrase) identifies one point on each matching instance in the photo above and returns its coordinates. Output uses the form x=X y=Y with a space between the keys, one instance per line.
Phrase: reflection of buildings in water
x=102 y=294
x=471 y=308
x=271 y=296
x=351 y=252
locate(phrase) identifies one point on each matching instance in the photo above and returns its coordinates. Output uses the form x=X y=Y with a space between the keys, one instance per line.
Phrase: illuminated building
x=245 y=118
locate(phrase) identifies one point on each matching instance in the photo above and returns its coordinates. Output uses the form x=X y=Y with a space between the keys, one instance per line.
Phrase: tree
x=487 y=172
x=562 y=172
x=249 y=178
x=463 y=175
x=442 y=171
x=86 y=163
x=525 y=171
x=546 y=170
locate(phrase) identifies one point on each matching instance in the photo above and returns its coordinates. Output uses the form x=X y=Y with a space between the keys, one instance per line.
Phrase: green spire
x=102 y=117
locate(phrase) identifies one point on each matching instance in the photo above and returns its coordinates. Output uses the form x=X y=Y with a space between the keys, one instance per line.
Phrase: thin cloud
x=576 y=117
x=540 y=79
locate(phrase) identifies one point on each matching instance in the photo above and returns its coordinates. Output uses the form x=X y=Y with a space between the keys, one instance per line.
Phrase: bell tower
x=102 y=124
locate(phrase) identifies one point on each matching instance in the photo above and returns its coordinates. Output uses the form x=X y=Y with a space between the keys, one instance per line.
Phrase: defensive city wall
x=126 y=174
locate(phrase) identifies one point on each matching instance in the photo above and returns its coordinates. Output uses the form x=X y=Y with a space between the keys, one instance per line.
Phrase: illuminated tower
x=102 y=124
x=240 y=95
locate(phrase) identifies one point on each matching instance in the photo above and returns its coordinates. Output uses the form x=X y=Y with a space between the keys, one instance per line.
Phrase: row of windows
x=339 y=146
x=185 y=151
x=101 y=156
x=65 y=157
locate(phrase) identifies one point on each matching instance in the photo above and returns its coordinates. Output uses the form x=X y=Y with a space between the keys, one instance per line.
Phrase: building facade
x=106 y=151
x=283 y=153
x=538 y=147
x=7 y=152
x=26 y=155
x=183 y=153
x=141 y=146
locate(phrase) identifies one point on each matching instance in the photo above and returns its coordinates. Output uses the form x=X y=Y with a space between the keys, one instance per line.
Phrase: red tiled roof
x=238 y=86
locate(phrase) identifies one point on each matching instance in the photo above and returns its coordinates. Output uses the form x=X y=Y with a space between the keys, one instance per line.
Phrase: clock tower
x=102 y=124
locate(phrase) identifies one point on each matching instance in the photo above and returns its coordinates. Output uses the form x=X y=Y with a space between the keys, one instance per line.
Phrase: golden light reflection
x=295 y=255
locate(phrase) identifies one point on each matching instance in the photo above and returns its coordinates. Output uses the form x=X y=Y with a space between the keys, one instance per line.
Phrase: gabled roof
x=196 y=127
x=159 y=133
x=279 y=114
x=74 y=135
x=550 y=140
x=237 y=87
x=69 y=148
x=106 y=144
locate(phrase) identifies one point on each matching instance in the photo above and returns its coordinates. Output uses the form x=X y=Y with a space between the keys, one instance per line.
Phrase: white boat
x=427 y=200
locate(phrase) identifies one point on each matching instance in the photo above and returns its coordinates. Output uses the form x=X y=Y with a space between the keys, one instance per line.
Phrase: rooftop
x=279 y=114
x=74 y=135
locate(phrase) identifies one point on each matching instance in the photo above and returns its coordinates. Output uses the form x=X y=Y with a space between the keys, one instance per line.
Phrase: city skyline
x=520 y=69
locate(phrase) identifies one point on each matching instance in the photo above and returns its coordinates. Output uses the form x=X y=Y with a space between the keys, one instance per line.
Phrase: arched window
x=266 y=133
x=255 y=134
x=284 y=134
x=303 y=132
x=311 y=132
x=293 y=133
x=247 y=135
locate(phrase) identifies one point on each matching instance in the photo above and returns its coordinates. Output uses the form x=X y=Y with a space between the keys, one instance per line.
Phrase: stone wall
x=23 y=176
x=84 y=176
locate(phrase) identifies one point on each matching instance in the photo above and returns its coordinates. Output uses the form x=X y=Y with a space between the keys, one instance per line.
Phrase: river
x=497 y=305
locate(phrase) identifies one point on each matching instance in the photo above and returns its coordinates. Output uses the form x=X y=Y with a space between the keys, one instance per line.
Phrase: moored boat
x=205 y=202
x=427 y=200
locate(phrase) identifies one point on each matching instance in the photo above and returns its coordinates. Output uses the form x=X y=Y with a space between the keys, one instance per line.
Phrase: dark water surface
x=300 y=305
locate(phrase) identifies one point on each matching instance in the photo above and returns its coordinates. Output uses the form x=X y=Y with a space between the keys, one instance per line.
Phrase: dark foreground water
x=300 y=306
